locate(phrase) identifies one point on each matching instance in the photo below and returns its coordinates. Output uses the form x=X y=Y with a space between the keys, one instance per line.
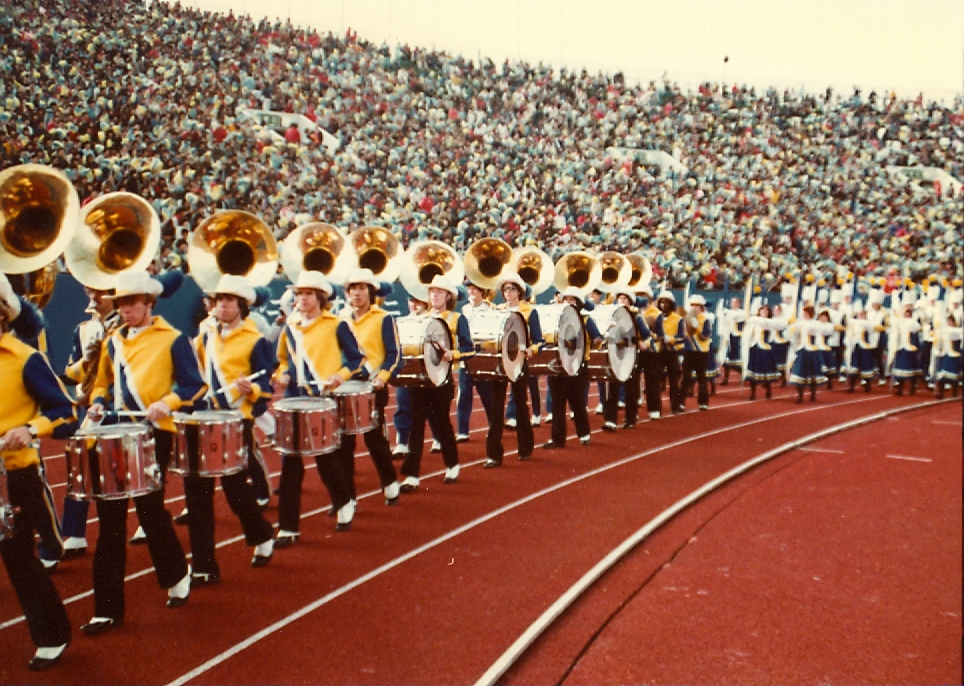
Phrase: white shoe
x=50 y=565
x=461 y=438
x=452 y=473
x=265 y=549
x=263 y=502
x=609 y=426
x=139 y=536
x=621 y=403
x=178 y=593
x=436 y=447
x=549 y=418
x=345 y=515
x=510 y=422
x=75 y=543
x=654 y=415
x=599 y=408
x=400 y=449
x=391 y=492
x=584 y=440
x=409 y=484
x=536 y=420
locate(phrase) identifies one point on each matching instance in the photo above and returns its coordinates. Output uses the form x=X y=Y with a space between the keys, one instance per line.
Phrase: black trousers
x=199 y=495
x=431 y=404
x=694 y=361
x=46 y=617
x=652 y=376
x=631 y=399
x=494 y=450
x=571 y=391
x=292 y=477
x=377 y=443
x=110 y=556
x=669 y=365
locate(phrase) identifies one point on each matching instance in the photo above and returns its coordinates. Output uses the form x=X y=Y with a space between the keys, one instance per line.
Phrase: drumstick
x=129 y=413
x=249 y=377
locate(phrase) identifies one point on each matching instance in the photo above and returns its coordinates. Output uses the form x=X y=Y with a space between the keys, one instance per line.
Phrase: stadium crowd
x=148 y=99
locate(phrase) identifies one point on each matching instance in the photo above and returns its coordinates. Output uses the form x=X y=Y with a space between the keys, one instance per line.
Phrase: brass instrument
x=36 y=286
x=423 y=261
x=38 y=214
x=579 y=270
x=487 y=260
x=232 y=242
x=317 y=247
x=642 y=272
x=116 y=233
x=616 y=271
x=377 y=249
x=534 y=267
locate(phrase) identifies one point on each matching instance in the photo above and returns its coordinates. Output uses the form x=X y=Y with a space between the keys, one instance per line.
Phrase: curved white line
x=521 y=644
x=324 y=600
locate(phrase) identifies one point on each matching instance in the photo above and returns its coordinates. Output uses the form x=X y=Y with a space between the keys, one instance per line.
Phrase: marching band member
x=315 y=352
x=650 y=358
x=838 y=316
x=698 y=334
x=572 y=390
x=669 y=329
x=859 y=359
x=906 y=363
x=808 y=364
x=229 y=353
x=82 y=370
x=402 y=419
x=948 y=350
x=828 y=357
x=513 y=289
x=781 y=346
x=479 y=301
x=597 y=297
x=432 y=403
x=761 y=363
x=147 y=366
x=627 y=298
x=377 y=336
x=733 y=322
x=878 y=336
x=33 y=404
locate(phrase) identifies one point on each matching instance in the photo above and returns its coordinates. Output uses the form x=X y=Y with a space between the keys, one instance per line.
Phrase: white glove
x=8 y=299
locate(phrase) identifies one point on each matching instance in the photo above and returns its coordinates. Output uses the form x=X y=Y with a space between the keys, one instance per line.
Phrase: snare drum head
x=353 y=387
x=616 y=324
x=305 y=404
x=571 y=339
x=208 y=417
x=107 y=431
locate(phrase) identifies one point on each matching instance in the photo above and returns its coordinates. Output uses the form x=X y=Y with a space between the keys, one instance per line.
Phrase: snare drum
x=617 y=359
x=424 y=340
x=565 y=341
x=112 y=462
x=501 y=338
x=356 y=406
x=209 y=443
x=307 y=426
x=6 y=509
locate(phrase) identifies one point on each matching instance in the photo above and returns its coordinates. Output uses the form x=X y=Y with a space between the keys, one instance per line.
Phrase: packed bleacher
x=146 y=99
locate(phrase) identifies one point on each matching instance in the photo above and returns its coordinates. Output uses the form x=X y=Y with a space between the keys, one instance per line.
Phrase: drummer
x=669 y=330
x=146 y=366
x=573 y=390
x=33 y=404
x=480 y=300
x=230 y=353
x=698 y=335
x=627 y=298
x=377 y=335
x=513 y=290
x=402 y=419
x=432 y=403
x=316 y=354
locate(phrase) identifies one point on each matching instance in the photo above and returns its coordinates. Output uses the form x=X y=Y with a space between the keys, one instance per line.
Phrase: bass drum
x=500 y=338
x=565 y=341
x=616 y=360
x=424 y=341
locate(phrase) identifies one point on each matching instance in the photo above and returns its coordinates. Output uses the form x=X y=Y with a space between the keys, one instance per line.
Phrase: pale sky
x=908 y=46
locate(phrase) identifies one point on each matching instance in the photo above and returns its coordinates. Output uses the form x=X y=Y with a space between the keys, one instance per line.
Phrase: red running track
x=439 y=616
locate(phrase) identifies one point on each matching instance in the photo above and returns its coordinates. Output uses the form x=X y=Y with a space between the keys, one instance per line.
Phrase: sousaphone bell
x=425 y=260
x=578 y=269
x=534 y=267
x=318 y=247
x=232 y=242
x=377 y=249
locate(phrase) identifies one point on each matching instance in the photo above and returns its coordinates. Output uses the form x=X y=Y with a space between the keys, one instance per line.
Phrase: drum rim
x=321 y=403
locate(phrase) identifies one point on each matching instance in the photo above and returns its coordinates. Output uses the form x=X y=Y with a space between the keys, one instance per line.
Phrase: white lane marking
x=515 y=651
x=941 y=421
x=912 y=459
x=388 y=566
x=823 y=450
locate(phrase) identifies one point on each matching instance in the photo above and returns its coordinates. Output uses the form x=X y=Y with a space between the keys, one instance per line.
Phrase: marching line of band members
x=127 y=359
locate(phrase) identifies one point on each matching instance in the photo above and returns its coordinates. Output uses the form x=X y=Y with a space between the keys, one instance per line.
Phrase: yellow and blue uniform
x=670 y=326
x=137 y=369
x=697 y=338
x=573 y=391
x=32 y=396
x=432 y=403
x=225 y=357
x=377 y=336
